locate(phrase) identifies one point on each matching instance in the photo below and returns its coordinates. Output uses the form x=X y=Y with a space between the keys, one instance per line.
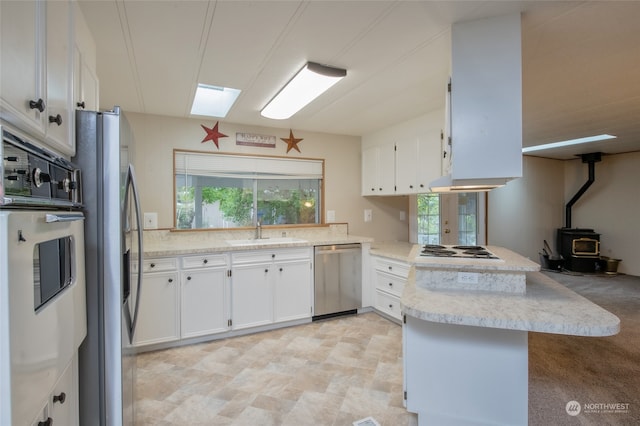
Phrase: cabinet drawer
x=392 y=267
x=389 y=283
x=388 y=304
x=267 y=255
x=204 y=261
x=159 y=264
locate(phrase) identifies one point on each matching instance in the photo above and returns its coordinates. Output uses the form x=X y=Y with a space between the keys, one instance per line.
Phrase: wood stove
x=580 y=247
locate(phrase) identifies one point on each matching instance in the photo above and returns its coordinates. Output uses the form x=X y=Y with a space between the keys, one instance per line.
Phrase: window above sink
x=223 y=191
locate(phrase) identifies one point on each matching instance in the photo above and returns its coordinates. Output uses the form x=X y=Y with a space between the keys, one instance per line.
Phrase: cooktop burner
x=468 y=252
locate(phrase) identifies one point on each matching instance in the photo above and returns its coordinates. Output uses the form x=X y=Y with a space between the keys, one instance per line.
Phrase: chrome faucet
x=258 y=230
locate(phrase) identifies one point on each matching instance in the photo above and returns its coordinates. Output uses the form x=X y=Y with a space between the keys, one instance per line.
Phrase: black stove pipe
x=590 y=159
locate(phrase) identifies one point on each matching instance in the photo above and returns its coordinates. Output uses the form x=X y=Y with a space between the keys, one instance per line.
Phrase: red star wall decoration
x=212 y=134
x=292 y=143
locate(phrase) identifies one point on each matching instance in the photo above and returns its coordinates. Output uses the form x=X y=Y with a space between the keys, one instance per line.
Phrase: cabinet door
x=203 y=302
x=85 y=84
x=429 y=155
x=407 y=166
x=21 y=50
x=369 y=171
x=378 y=170
x=388 y=303
x=251 y=295
x=59 y=119
x=292 y=290
x=158 y=313
x=64 y=410
x=386 y=169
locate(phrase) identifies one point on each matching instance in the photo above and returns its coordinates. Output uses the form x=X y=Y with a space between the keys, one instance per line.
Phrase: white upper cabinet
x=378 y=170
x=486 y=99
x=21 y=62
x=85 y=80
x=60 y=121
x=418 y=153
x=36 y=70
x=404 y=158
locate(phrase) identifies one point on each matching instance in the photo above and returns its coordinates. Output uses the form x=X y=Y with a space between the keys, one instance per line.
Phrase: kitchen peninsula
x=466 y=349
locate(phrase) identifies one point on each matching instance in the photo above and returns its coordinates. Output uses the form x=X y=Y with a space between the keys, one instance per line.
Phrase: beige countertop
x=167 y=243
x=547 y=306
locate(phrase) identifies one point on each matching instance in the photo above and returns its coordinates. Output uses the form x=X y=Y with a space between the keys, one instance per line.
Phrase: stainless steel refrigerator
x=113 y=240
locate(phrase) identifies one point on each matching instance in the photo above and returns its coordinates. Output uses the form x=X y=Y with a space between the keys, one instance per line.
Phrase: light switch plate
x=151 y=221
x=368 y=215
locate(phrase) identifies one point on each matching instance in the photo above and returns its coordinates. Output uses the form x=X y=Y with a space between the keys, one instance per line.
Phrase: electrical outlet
x=151 y=221
x=468 y=277
x=331 y=215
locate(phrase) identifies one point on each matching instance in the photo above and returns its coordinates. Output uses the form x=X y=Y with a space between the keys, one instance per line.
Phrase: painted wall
x=611 y=205
x=528 y=210
x=157 y=136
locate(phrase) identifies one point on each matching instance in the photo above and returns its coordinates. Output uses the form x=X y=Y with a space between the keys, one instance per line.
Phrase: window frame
x=274 y=165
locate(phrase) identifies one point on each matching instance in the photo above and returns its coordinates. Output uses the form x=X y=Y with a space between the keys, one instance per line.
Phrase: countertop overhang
x=546 y=307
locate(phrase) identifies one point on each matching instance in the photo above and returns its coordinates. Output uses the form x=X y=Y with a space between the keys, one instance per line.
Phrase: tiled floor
x=331 y=372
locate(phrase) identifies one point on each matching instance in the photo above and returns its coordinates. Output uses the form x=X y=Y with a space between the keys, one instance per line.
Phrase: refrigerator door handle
x=131 y=184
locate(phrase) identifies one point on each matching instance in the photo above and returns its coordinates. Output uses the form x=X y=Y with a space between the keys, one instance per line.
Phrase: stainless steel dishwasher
x=337 y=280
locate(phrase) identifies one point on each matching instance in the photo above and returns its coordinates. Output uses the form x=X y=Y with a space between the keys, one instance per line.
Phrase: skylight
x=213 y=101
x=567 y=143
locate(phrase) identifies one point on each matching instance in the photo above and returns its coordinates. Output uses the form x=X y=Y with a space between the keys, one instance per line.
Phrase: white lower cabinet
x=251 y=295
x=62 y=406
x=204 y=306
x=203 y=295
x=292 y=290
x=390 y=277
x=158 y=315
x=270 y=286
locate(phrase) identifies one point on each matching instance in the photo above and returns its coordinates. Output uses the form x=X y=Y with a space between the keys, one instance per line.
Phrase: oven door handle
x=71 y=217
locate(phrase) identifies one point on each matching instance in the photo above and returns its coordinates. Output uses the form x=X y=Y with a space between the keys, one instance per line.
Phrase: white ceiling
x=581 y=61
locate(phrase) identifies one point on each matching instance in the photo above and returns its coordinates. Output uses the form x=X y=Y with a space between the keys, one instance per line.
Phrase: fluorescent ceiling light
x=568 y=143
x=213 y=101
x=309 y=83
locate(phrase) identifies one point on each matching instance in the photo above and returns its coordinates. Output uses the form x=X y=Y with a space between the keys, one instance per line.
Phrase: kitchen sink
x=265 y=241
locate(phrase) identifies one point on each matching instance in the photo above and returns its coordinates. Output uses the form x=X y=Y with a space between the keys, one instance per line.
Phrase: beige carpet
x=591 y=371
